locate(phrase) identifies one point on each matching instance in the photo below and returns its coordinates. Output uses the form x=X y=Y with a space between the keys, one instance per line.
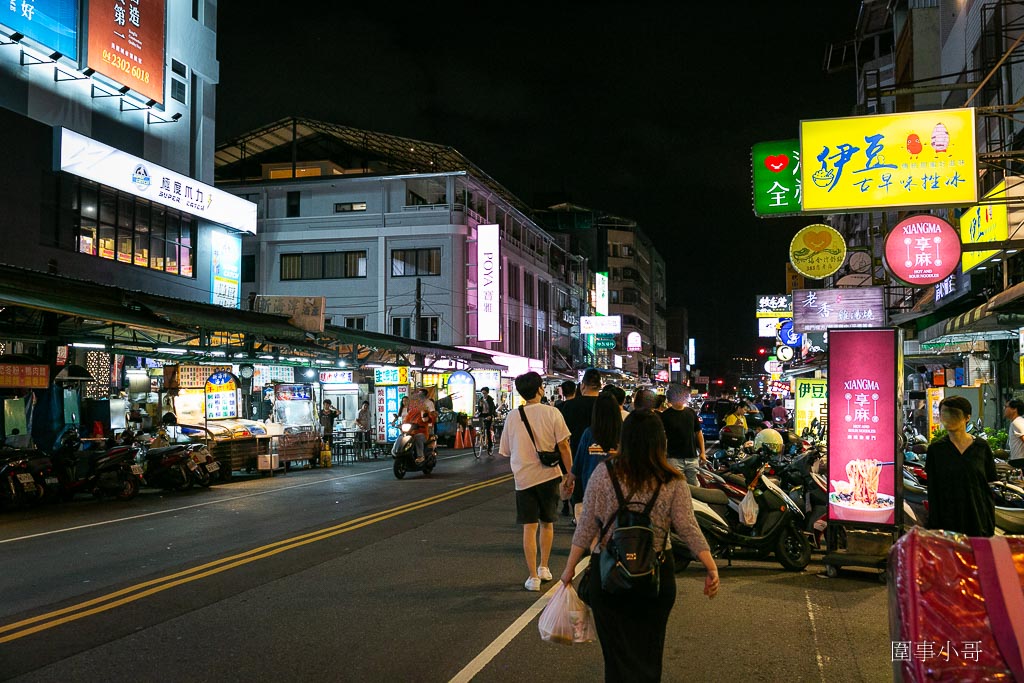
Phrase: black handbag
x=548 y=458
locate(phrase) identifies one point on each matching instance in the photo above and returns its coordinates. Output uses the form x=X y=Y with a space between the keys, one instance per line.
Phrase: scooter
x=17 y=485
x=777 y=529
x=404 y=454
x=111 y=472
x=809 y=490
x=166 y=467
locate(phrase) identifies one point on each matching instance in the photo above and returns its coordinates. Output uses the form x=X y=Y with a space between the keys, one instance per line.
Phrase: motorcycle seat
x=709 y=496
x=160 y=451
x=735 y=479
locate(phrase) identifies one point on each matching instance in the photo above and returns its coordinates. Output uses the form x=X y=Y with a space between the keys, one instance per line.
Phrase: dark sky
x=648 y=113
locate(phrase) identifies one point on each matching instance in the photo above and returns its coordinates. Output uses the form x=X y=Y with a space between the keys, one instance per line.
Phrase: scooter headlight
x=406 y=428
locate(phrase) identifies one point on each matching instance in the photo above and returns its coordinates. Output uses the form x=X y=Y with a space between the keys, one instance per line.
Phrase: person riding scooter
x=421 y=417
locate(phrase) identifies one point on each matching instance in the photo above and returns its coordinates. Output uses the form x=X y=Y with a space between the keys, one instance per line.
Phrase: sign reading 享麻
x=126 y=44
x=922 y=250
x=817 y=310
x=776 y=174
x=924 y=158
x=862 y=389
x=817 y=251
x=987 y=222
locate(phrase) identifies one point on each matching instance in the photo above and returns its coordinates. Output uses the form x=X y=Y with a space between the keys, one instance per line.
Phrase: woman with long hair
x=598 y=441
x=632 y=629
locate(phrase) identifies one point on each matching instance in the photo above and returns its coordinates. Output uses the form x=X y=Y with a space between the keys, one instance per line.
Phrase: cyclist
x=486 y=409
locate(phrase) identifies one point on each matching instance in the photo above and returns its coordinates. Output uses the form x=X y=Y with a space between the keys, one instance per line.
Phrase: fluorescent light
x=84 y=345
x=982 y=267
x=320 y=361
x=176 y=352
x=1011 y=251
x=342 y=363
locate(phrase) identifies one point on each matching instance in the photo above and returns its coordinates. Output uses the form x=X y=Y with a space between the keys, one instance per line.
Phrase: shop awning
x=1010 y=299
x=981 y=323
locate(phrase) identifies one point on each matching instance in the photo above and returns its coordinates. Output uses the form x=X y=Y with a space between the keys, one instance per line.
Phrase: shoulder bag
x=547 y=458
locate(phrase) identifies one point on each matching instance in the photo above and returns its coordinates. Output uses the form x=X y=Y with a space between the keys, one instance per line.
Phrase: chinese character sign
x=24 y=376
x=391 y=376
x=388 y=400
x=984 y=223
x=51 y=23
x=225 y=269
x=817 y=251
x=811 y=397
x=126 y=44
x=221 y=396
x=774 y=306
x=817 y=310
x=488 y=283
x=922 y=250
x=922 y=158
x=862 y=425
x=776 y=174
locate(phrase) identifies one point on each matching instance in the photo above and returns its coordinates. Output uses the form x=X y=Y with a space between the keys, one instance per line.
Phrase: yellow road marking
x=137 y=592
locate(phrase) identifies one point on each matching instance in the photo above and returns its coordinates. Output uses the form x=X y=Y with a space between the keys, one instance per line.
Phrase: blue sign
x=788 y=335
x=51 y=23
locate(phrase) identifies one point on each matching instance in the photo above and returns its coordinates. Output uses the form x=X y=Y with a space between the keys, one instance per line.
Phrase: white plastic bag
x=748 y=509
x=566 y=619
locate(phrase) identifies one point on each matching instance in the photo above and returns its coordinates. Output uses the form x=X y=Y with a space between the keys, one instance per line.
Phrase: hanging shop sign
x=817 y=310
x=778 y=387
x=784 y=353
x=634 y=342
x=24 y=376
x=389 y=400
x=221 y=396
x=788 y=335
x=191 y=376
x=87 y=158
x=488 y=282
x=600 y=324
x=225 y=269
x=988 y=222
x=488 y=378
x=126 y=44
x=336 y=377
x=51 y=23
x=811 y=396
x=768 y=327
x=601 y=293
x=391 y=376
x=774 y=306
x=817 y=251
x=776 y=174
x=867 y=163
x=862 y=387
x=462 y=391
x=922 y=250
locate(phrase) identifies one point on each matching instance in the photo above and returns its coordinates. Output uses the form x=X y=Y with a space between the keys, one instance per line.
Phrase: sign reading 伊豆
x=922 y=250
x=811 y=395
x=776 y=175
x=817 y=310
x=924 y=158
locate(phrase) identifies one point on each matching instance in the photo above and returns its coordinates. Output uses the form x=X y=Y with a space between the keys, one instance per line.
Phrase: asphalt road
x=349 y=574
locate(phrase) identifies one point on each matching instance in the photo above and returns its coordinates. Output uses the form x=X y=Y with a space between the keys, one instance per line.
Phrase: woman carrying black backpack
x=631 y=628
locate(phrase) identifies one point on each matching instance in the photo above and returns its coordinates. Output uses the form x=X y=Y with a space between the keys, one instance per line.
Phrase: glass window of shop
x=323 y=265
x=120 y=227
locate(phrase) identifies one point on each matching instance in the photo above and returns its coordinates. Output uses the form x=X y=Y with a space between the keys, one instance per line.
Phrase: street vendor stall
x=295 y=410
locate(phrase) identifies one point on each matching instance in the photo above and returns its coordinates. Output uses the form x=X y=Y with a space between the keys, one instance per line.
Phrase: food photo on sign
x=862 y=423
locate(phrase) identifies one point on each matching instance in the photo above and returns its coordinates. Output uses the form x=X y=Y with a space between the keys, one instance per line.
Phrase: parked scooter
x=166 y=467
x=17 y=485
x=111 y=471
x=801 y=480
x=404 y=454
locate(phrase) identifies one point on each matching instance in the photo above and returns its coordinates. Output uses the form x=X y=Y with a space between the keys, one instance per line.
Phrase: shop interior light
x=1011 y=251
x=321 y=361
x=266 y=357
x=342 y=363
x=136 y=371
x=175 y=352
x=309 y=372
x=87 y=345
x=982 y=267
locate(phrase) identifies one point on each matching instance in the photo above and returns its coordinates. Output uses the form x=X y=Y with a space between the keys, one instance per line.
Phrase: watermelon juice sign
x=922 y=250
x=862 y=388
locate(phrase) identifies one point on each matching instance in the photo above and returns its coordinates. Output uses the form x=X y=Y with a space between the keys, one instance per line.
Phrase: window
x=613 y=296
x=179 y=91
x=543 y=296
x=528 y=341
x=630 y=296
x=349 y=206
x=401 y=327
x=292 y=209
x=513 y=282
x=121 y=227
x=410 y=262
x=356 y=323
x=248 y=267
x=513 y=337
x=331 y=265
x=430 y=328
x=528 y=289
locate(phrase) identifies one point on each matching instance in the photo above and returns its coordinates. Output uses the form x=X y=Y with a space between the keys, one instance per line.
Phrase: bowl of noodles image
x=857 y=498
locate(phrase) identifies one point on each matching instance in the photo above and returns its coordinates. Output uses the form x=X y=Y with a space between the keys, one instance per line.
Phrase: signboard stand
x=864 y=383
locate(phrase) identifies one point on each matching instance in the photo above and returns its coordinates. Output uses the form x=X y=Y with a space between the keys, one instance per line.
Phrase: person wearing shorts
x=539 y=487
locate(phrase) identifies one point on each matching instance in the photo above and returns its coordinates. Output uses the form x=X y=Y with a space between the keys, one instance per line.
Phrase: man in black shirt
x=682 y=429
x=486 y=410
x=578 y=413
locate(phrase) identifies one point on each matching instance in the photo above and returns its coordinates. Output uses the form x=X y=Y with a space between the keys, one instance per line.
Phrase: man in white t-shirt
x=1014 y=411
x=537 y=485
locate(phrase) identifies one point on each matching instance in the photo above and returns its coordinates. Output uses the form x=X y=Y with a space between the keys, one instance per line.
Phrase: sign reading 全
x=776 y=174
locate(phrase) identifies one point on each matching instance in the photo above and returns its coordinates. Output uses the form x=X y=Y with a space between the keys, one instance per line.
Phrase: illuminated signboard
x=692 y=355
x=336 y=377
x=984 y=223
x=862 y=393
x=922 y=250
x=225 y=269
x=389 y=400
x=811 y=396
x=866 y=163
x=126 y=44
x=51 y=23
x=817 y=310
x=462 y=391
x=601 y=293
x=221 y=396
x=817 y=251
x=767 y=327
x=488 y=283
x=634 y=342
x=776 y=174
x=87 y=158
x=774 y=306
x=487 y=378
x=24 y=376
x=389 y=376
x=600 y=324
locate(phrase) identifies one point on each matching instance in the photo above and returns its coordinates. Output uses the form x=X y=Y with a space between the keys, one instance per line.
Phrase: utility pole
x=419 y=305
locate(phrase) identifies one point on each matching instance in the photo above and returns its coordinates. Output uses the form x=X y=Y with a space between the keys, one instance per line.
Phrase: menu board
x=388 y=401
x=293 y=392
x=24 y=376
x=190 y=376
x=862 y=429
x=221 y=396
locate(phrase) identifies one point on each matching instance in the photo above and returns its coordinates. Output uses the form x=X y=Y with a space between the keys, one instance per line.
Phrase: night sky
x=645 y=113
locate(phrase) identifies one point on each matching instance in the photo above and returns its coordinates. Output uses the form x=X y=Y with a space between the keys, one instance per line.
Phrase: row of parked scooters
x=116 y=469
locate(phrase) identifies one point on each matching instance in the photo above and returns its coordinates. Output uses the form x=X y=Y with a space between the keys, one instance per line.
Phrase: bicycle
x=480 y=439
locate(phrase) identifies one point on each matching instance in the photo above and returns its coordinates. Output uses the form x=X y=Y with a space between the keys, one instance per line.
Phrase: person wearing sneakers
x=537 y=485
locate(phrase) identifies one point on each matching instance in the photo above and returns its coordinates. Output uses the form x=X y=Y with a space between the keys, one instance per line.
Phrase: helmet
x=768 y=439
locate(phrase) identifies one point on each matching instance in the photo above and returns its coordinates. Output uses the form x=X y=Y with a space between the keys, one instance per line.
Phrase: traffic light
x=761 y=351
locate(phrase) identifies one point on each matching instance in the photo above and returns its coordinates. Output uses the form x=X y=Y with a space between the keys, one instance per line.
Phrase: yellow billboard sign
x=817 y=251
x=865 y=163
x=811 y=397
x=984 y=223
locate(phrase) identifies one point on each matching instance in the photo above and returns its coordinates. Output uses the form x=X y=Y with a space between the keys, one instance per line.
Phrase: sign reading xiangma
x=922 y=250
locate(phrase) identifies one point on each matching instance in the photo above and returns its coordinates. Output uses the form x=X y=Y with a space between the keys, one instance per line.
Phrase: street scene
x=467 y=343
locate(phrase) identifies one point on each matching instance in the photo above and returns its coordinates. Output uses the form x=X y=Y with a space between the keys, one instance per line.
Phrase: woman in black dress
x=959 y=467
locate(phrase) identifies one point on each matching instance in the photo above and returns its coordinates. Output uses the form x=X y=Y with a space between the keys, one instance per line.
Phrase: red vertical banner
x=126 y=44
x=862 y=392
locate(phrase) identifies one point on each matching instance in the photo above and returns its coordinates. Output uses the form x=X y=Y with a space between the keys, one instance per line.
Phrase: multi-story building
x=388 y=229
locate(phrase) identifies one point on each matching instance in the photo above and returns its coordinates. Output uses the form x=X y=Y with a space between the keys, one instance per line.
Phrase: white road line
x=205 y=503
x=509 y=634
x=814 y=632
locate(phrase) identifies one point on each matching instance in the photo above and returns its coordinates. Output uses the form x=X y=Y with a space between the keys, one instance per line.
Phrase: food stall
x=345 y=395
x=295 y=410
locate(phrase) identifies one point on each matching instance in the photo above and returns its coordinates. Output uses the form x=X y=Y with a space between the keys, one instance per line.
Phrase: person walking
x=682 y=430
x=599 y=442
x=632 y=630
x=1014 y=412
x=568 y=392
x=486 y=409
x=959 y=467
x=780 y=416
x=577 y=413
x=537 y=485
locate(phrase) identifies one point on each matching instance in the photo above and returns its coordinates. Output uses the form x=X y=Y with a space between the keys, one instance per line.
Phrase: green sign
x=776 y=174
x=605 y=343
